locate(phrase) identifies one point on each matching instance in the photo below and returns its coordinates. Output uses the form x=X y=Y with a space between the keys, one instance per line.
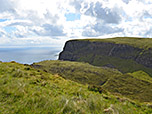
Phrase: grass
x=141 y=75
x=80 y=72
x=99 y=54
x=143 y=43
x=128 y=86
x=136 y=86
x=25 y=90
x=123 y=65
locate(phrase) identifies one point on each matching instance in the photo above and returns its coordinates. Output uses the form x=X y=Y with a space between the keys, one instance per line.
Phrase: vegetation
x=123 y=65
x=135 y=86
x=64 y=87
x=141 y=75
x=143 y=43
x=25 y=90
x=125 y=58
x=80 y=72
x=128 y=86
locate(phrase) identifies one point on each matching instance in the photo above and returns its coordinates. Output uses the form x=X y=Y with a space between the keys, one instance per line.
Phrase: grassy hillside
x=123 y=65
x=137 y=85
x=143 y=43
x=24 y=90
x=80 y=72
x=142 y=76
x=131 y=87
x=134 y=56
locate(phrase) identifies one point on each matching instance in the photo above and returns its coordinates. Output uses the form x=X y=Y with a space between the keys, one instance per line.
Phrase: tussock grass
x=26 y=91
x=80 y=72
x=136 y=86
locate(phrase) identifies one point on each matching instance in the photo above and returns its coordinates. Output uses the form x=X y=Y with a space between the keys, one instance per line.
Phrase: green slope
x=123 y=65
x=143 y=43
x=131 y=87
x=134 y=56
x=141 y=75
x=76 y=71
x=136 y=86
x=24 y=90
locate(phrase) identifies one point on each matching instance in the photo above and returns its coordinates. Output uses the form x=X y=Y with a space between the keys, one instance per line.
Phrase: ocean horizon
x=29 y=55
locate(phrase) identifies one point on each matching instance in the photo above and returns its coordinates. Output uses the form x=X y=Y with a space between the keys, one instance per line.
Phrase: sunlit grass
x=143 y=43
x=136 y=86
x=25 y=90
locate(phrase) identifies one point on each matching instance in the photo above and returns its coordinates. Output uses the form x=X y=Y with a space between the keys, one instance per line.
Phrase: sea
x=29 y=55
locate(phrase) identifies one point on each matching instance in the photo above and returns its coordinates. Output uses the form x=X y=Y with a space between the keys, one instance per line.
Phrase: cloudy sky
x=52 y=22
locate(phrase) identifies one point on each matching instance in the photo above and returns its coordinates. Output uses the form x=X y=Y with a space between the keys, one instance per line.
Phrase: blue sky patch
x=72 y=16
x=3 y=20
x=9 y=29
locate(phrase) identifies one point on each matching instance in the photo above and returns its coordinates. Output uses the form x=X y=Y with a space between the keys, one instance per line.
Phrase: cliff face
x=105 y=53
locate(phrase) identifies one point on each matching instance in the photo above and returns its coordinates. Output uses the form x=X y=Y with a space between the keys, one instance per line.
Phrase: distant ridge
x=126 y=54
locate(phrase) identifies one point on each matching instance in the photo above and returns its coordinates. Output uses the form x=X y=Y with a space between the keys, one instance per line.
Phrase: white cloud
x=41 y=21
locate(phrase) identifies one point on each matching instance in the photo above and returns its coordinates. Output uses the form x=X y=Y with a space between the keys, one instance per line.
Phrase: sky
x=52 y=22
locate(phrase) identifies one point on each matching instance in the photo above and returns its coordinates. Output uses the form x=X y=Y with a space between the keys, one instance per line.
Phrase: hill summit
x=123 y=53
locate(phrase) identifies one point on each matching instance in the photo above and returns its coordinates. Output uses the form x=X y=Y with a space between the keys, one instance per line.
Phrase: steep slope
x=24 y=90
x=131 y=87
x=136 y=86
x=80 y=72
x=125 y=54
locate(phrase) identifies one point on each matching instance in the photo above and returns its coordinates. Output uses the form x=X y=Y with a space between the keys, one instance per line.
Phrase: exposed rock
x=145 y=58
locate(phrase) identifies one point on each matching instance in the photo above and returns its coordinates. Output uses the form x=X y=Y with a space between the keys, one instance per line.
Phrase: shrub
x=27 y=68
x=95 y=88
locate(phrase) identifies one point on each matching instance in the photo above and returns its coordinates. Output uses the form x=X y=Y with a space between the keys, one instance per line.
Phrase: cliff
x=124 y=54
